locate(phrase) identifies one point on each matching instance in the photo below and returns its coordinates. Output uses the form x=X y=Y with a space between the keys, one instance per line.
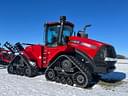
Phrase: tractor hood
x=86 y=41
x=89 y=46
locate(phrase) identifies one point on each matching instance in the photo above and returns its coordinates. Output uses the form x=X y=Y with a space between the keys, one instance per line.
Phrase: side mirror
x=89 y=25
x=82 y=34
x=86 y=26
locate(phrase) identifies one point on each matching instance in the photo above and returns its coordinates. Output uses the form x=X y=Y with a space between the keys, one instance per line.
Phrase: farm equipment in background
x=5 y=56
x=67 y=58
x=23 y=54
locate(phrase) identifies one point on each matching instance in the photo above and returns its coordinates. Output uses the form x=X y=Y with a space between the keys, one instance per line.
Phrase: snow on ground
x=122 y=61
x=13 y=85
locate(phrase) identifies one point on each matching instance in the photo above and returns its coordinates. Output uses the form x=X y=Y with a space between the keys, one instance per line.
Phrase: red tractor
x=66 y=58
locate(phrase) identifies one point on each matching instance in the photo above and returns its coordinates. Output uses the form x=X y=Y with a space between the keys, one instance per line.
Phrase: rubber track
x=82 y=67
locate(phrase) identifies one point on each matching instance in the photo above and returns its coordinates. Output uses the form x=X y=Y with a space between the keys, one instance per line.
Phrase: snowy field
x=13 y=85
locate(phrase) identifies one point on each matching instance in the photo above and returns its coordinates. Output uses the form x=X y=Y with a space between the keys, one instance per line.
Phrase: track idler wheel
x=11 y=70
x=50 y=75
x=80 y=80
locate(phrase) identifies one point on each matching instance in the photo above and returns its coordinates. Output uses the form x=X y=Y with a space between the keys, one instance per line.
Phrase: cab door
x=52 y=45
x=52 y=52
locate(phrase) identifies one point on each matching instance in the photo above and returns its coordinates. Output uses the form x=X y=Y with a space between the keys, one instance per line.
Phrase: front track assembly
x=69 y=70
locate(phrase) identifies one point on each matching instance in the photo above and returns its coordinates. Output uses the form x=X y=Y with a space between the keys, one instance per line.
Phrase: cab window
x=52 y=35
x=67 y=32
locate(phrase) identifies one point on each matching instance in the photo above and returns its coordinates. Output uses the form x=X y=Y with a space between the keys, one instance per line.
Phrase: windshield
x=53 y=32
x=67 y=31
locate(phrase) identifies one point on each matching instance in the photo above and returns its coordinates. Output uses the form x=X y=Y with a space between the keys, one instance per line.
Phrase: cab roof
x=58 y=23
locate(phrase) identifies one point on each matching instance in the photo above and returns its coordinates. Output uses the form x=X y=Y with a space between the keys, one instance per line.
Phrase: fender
x=91 y=64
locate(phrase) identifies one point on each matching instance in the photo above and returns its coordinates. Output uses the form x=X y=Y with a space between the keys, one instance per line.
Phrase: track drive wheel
x=66 y=64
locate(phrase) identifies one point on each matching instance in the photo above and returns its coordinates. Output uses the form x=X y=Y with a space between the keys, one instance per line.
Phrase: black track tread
x=70 y=81
x=46 y=75
x=82 y=68
x=8 y=69
x=33 y=70
x=23 y=67
x=86 y=70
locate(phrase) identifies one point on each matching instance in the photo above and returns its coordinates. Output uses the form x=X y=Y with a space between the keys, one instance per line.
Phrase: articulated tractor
x=67 y=58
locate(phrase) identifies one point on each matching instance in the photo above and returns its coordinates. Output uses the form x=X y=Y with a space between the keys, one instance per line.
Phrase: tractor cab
x=57 y=33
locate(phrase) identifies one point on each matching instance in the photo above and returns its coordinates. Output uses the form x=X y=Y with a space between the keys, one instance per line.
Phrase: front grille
x=105 y=51
x=111 y=52
x=105 y=62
